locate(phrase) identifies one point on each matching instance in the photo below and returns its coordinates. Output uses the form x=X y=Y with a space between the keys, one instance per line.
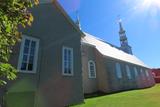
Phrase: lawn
x=137 y=98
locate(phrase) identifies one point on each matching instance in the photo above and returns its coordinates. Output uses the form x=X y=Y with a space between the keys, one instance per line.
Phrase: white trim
x=118 y=70
x=71 y=49
x=89 y=71
x=24 y=37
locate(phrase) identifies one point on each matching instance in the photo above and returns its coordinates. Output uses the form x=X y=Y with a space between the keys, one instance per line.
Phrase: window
x=67 y=60
x=142 y=74
x=128 y=72
x=135 y=71
x=118 y=70
x=154 y=74
x=28 y=55
x=147 y=73
x=141 y=71
x=92 y=69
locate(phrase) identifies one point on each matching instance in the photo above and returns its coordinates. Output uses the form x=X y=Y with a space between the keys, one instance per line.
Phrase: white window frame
x=63 y=64
x=129 y=75
x=24 y=37
x=135 y=72
x=118 y=70
x=89 y=71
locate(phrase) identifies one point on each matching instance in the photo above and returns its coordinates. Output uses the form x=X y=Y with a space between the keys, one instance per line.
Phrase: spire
x=78 y=20
x=121 y=29
x=120 y=25
x=123 y=39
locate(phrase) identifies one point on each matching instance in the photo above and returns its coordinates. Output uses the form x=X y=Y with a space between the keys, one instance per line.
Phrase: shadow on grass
x=100 y=93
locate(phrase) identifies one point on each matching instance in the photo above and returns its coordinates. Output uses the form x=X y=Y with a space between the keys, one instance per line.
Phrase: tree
x=13 y=13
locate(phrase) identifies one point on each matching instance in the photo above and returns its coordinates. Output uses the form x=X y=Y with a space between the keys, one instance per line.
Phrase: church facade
x=58 y=63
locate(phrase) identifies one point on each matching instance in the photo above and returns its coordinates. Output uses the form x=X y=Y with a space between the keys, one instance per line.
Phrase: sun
x=151 y=4
x=151 y=7
x=144 y=9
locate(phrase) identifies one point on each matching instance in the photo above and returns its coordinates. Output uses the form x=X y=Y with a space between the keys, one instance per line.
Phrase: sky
x=140 y=19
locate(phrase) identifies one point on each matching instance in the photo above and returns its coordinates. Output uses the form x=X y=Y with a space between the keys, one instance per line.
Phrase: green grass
x=137 y=98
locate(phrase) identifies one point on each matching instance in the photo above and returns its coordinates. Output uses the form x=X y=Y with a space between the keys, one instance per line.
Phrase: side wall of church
x=106 y=73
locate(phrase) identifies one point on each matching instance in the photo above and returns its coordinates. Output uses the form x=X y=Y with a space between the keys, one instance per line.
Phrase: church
x=108 y=68
x=58 y=63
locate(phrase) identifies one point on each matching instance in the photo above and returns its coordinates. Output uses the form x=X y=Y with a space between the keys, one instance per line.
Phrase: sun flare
x=151 y=7
x=151 y=3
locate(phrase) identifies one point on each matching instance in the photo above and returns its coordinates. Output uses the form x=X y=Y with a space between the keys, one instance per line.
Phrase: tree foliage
x=13 y=13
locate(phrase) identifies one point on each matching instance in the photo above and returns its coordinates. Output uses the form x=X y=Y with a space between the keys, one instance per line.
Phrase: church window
x=92 y=69
x=118 y=70
x=135 y=72
x=28 y=55
x=128 y=72
x=147 y=73
x=67 y=61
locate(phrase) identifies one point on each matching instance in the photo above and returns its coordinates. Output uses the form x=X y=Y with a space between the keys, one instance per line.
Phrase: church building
x=58 y=63
x=108 y=68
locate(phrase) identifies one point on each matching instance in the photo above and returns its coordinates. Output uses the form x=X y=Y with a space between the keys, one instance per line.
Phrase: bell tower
x=123 y=39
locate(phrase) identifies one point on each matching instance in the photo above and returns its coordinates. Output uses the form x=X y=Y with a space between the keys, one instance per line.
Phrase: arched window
x=128 y=72
x=135 y=72
x=92 y=69
x=118 y=70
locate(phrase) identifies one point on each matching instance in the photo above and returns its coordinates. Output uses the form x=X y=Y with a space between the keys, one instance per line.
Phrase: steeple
x=120 y=26
x=123 y=39
x=78 y=20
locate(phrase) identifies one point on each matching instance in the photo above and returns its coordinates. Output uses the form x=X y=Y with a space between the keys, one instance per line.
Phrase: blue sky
x=141 y=20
